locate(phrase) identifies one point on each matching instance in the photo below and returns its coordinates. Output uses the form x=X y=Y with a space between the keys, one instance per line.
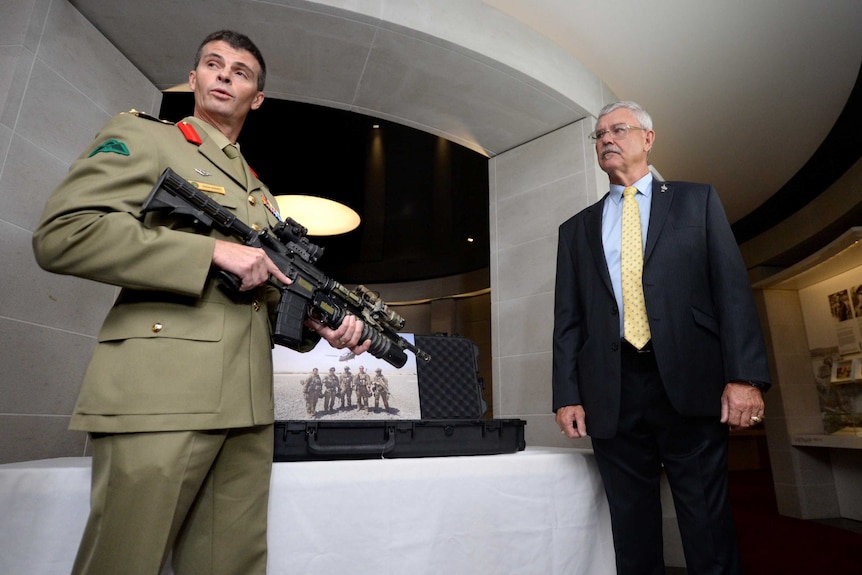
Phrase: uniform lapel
x=216 y=155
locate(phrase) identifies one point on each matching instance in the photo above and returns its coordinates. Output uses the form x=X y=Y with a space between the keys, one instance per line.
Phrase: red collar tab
x=190 y=133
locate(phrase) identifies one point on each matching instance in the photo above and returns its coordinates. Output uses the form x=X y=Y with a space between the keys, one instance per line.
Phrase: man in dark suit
x=178 y=396
x=670 y=402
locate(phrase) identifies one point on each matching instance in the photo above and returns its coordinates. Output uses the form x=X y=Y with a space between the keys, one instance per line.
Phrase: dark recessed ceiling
x=841 y=148
x=420 y=197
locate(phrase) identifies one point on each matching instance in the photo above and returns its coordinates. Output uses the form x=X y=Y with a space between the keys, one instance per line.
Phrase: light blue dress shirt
x=612 y=222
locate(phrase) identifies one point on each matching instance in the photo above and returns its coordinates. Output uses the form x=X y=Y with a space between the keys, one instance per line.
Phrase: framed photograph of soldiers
x=333 y=384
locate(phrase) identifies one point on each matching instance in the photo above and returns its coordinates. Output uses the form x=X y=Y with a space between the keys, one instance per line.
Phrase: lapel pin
x=202 y=172
x=663 y=188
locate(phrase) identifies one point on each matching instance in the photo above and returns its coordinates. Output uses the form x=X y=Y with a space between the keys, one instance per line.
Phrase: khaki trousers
x=201 y=494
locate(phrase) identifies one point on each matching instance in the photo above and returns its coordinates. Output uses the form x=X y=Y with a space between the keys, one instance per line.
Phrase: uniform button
x=251 y=200
x=615 y=346
x=157 y=327
x=256 y=305
x=255 y=227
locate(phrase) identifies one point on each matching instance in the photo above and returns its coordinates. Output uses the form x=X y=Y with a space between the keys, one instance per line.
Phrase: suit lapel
x=593 y=223
x=662 y=197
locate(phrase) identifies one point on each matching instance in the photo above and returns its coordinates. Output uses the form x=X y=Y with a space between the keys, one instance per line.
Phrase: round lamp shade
x=320 y=216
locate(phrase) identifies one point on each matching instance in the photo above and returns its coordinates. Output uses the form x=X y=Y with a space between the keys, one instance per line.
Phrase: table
x=539 y=511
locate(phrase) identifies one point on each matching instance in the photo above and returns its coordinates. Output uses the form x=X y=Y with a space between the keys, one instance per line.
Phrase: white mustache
x=611 y=148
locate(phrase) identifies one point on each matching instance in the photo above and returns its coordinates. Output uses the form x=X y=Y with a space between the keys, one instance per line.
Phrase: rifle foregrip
x=382 y=348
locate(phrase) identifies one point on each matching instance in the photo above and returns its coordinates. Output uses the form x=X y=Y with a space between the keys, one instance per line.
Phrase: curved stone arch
x=459 y=69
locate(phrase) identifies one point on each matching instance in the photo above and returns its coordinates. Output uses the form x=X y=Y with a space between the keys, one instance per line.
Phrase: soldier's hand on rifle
x=347 y=335
x=251 y=265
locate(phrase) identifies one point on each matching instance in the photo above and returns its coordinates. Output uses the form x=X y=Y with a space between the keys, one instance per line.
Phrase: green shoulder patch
x=113 y=146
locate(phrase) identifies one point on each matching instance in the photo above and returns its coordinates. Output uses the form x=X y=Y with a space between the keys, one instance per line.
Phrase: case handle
x=360 y=449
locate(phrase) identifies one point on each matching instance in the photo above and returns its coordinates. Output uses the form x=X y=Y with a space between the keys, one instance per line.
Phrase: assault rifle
x=310 y=293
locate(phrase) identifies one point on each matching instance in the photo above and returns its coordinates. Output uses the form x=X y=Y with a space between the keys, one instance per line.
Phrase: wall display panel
x=832 y=309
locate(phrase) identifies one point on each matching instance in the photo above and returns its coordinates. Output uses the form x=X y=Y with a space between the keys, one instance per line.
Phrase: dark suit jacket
x=705 y=328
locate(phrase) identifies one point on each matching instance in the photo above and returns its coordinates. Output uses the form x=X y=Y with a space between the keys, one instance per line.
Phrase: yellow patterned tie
x=636 y=325
x=232 y=152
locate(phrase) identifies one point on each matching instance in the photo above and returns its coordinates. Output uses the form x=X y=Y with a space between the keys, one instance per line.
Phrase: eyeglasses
x=617 y=132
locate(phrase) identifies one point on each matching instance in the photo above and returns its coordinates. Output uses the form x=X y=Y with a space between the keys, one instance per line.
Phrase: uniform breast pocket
x=157 y=358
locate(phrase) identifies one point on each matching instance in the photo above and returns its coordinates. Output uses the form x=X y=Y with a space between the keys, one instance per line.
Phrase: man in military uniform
x=380 y=385
x=311 y=389
x=362 y=385
x=330 y=390
x=346 y=392
x=178 y=397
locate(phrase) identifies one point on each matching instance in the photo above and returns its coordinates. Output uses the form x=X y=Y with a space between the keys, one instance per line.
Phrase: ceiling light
x=322 y=217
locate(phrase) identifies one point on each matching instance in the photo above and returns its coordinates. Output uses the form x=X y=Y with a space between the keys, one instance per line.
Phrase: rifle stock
x=310 y=293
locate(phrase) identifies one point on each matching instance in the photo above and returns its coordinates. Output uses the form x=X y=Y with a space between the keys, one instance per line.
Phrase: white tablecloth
x=540 y=511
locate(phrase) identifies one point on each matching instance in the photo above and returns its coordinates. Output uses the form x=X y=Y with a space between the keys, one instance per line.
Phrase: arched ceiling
x=421 y=64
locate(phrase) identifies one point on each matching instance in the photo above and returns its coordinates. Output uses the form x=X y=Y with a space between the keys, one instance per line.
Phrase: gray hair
x=640 y=114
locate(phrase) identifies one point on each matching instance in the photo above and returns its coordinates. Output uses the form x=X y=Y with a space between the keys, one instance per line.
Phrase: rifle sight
x=292 y=232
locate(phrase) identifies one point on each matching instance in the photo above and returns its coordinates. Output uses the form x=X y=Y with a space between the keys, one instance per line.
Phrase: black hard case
x=321 y=440
x=449 y=384
x=451 y=404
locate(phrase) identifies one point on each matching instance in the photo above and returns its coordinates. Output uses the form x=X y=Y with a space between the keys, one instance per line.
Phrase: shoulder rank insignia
x=190 y=133
x=146 y=116
x=111 y=146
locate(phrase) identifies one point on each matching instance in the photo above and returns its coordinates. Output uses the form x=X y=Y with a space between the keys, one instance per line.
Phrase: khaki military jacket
x=175 y=352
